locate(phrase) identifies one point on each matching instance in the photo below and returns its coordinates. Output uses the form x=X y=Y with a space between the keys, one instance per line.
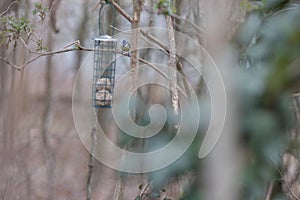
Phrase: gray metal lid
x=105 y=38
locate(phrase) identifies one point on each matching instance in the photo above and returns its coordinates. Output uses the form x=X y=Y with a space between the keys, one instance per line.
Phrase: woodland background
x=257 y=45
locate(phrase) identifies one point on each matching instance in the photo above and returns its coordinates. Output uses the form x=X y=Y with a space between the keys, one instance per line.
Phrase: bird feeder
x=104 y=68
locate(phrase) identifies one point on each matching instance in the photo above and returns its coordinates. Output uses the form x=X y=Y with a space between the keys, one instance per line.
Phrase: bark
x=120 y=186
x=134 y=41
x=91 y=165
x=290 y=162
x=134 y=57
x=172 y=66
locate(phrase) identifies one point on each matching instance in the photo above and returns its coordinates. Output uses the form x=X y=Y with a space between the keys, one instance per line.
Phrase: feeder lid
x=105 y=38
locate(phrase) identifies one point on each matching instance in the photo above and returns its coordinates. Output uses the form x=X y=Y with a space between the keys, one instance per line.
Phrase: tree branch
x=196 y=27
x=269 y=191
x=143 y=191
x=77 y=47
x=149 y=36
x=121 y=11
x=8 y=8
x=91 y=165
x=172 y=65
x=155 y=68
x=137 y=4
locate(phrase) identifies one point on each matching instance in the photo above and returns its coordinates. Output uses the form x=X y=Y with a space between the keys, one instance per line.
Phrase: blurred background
x=256 y=46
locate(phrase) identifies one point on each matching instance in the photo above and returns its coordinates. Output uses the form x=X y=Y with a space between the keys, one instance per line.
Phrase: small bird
x=125 y=46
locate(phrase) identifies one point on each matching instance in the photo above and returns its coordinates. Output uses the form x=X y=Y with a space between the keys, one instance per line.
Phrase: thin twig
x=91 y=164
x=269 y=191
x=100 y=2
x=145 y=35
x=154 y=68
x=285 y=181
x=50 y=53
x=9 y=63
x=121 y=11
x=78 y=47
x=196 y=27
x=119 y=30
x=181 y=43
x=129 y=18
x=119 y=188
x=155 y=40
x=162 y=73
x=76 y=43
x=145 y=187
x=27 y=47
x=8 y=8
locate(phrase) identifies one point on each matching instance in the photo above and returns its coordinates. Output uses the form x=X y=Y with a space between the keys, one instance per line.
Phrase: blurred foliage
x=40 y=10
x=268 y=45
x=165 y=6
x=252 y=5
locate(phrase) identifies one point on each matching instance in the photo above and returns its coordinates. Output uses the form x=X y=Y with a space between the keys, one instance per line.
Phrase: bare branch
x=121 y=11
x=146 y=34
x=77 y=47
x=172 y=65
x=155 y=40
x=269 y=191
x=162 y=73
x=76 y=43
x=137 y=4
x=284 y=180
x=149 y=36
x=196 y=27
x=100 y=2
x=91 y=164
x=27 y=47
x=145 y=187
x=119 y=188
x=9 y=63
x=8 y=8
x=53 y=53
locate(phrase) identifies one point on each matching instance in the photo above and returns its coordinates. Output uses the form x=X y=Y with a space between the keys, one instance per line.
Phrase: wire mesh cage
x=104 y=71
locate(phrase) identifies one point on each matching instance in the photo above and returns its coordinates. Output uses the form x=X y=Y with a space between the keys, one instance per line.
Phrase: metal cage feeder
x=104 y=69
